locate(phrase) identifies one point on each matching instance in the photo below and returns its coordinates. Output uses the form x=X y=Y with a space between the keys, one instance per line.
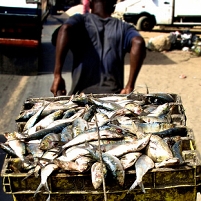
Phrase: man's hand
x=126 y=91
x=58 y=86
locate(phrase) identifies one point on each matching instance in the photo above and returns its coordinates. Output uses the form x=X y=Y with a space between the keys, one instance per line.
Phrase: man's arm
x=137 y=56
x=62 y=47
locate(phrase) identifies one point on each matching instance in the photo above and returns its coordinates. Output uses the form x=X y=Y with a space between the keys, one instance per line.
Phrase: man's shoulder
x=76 y=18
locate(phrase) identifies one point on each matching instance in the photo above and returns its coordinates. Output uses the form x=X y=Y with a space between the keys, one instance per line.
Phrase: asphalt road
x=15 y=89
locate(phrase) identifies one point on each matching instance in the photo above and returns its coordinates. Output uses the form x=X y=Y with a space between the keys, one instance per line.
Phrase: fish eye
x=118 y=130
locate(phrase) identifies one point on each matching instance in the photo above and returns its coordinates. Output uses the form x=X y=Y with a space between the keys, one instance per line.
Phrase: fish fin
x=28 y=175
x=48 y=190
x=136 y=183
x=141 y=185
x=39 y=187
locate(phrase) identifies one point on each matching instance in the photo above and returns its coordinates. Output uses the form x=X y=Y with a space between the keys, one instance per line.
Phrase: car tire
x=145 y=23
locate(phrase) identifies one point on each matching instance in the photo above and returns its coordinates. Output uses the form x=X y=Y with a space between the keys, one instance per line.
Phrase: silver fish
x=63 y=163
x=134 y=107
x=112 y=163
x=129 y=159
x=84 y=163
x=126 y=123
x=45 y=122
x=168 y=163
x=75 y=152
x=51 y=140
x=109 y=105
x=142 y=165
x=66 y=134
x=160 y=110
x=30 y=123
x=155 y=119
x=17 y=146
x=153 y=127
x=45 y=173
x=98 y=171
x=104 y=132
x=33 y=147
x=79 y=125
x=137 y=145
x=157 y=149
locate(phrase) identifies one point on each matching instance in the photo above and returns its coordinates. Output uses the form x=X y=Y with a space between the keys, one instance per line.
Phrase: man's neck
x=98 y=9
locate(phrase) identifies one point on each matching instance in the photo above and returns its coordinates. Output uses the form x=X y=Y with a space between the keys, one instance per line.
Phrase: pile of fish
x=102 y=134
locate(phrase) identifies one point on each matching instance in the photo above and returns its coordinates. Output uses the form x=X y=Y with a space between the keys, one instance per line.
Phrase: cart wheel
x=145 y=23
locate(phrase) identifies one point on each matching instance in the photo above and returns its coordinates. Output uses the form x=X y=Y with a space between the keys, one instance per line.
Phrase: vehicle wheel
x=145 y=23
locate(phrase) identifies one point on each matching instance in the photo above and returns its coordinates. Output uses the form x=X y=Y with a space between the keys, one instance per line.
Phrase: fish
x=89 y=114
x=66 y=134
x=75 y=166
x=79 y=125
x=84 y=163
x=26 y=115
x=155 y=119
x=109 y=105
x=115 y=166
x=168 y=163
x=134 y=107
x=125 y=148
x=99 y=119
x=75 y=152
x=98 y=172
x=81 y=100
x=126 y=123
x=111 y=162
x=160 y=110
x=129 y=159
x=157 y=149
x=175 y=131
x=41 y=133
x=7 y=149
x=15 y=144
x=142 y=165
x=33 y=147
x=30 y=123
x=45 y=159
x=153 y=127
x=69 y=113
x=50 y=140
x=105 y=132
x=177 y=151
x=105 y=112
x=46 y=171
x=159 y=97
x=114 y=98
x=46 y=121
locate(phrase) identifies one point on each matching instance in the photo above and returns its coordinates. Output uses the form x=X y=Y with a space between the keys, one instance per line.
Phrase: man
x=99 y=43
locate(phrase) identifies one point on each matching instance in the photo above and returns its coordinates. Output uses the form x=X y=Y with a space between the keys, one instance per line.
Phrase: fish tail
x=141 y=185
x=28 y=175
x=47 y=189
x=39 y=187
x=136 y=183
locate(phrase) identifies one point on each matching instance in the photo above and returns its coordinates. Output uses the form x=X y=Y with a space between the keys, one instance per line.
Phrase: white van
x=145 y=14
